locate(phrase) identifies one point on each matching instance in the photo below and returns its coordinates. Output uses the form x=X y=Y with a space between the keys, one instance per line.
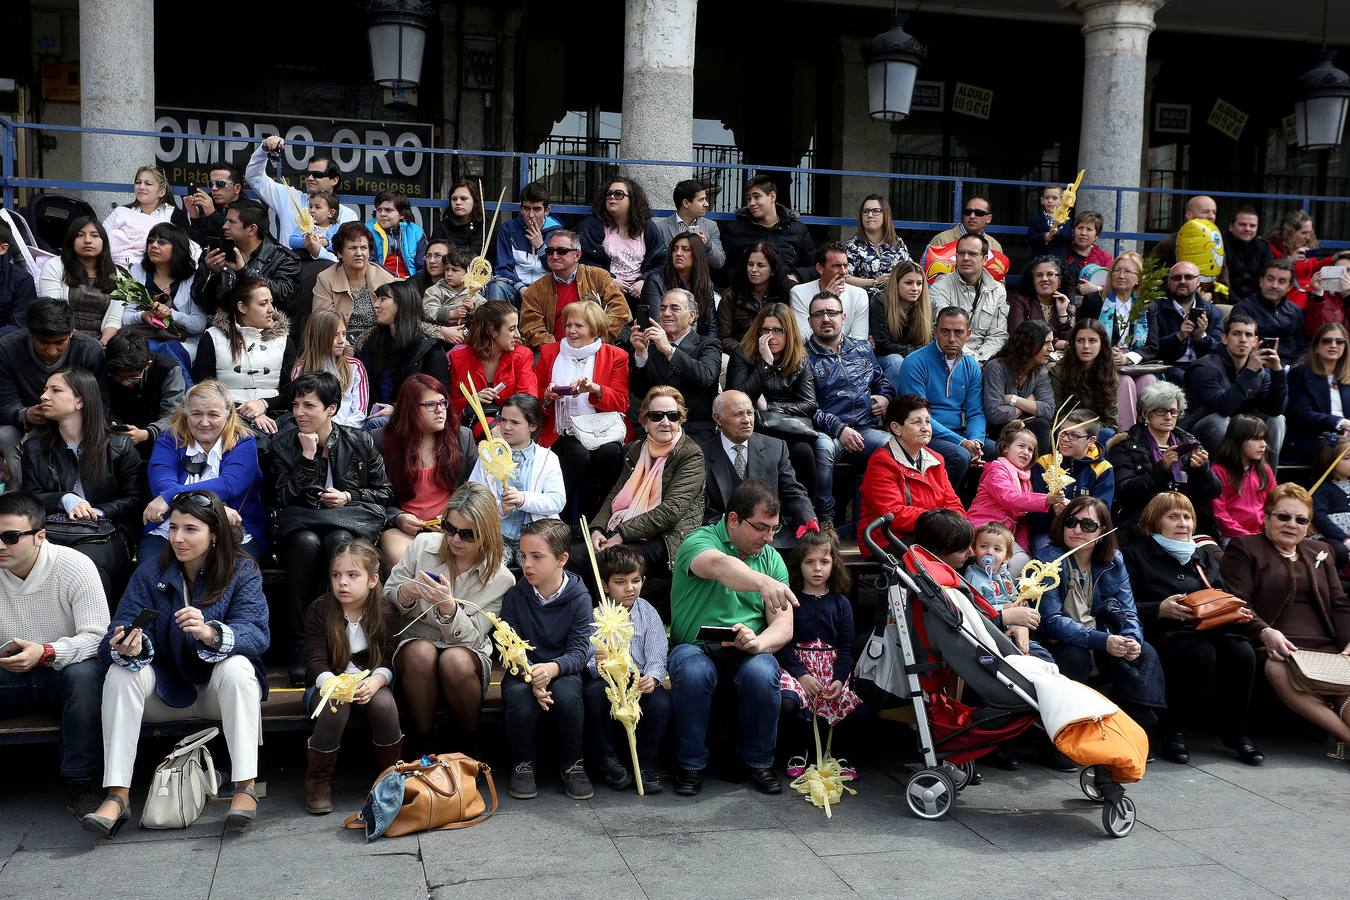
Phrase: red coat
x=1303 y=273
x=890 y=486
x=611 y=373
x=514 y=369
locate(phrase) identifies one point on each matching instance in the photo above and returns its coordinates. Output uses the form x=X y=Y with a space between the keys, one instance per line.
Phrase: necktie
x=739 y=462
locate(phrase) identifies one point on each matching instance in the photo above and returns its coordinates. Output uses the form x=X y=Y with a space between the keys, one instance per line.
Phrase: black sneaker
x=651 y=782
x=522 y=782
x=615 y=775
x=82 y=799
x=576 y=783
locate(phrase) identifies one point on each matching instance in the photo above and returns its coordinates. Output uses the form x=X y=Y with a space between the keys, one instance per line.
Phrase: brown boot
x=319 y=781
x=387 y=755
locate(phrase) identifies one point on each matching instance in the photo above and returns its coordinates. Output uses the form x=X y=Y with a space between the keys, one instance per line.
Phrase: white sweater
x=547 y=493
x=60 y=603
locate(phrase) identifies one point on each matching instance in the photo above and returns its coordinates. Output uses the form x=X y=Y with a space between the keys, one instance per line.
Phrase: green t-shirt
x=695 y=602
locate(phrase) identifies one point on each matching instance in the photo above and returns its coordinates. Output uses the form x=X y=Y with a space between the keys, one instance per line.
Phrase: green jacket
x=681 y=507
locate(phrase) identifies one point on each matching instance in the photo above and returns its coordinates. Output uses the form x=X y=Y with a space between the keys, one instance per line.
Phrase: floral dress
x=867 y=260
x=825 y=660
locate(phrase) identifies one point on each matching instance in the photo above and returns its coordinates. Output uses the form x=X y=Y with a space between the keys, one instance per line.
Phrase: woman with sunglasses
x=426 y=457
x=248 y=348
x=1165 y=565
x=1089 y=620
x=397 y=348
x=1319 y=394
x=621 y=237
x=82 y=275
x=166 y=271
x=444 y=647
x=1155 y=456
x=81 y=471
x=657 y=499
x=1292 y=586
x=201 y=656
x=206 y=447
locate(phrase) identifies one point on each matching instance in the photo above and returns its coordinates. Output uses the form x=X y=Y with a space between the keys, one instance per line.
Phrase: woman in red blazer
x=593 y=378
x=491 y=355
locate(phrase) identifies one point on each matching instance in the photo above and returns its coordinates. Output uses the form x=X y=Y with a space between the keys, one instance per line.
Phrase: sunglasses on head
x=10 y=538
x=1087 y=526
x=656 y=415
x=464 y=534
x=1283 y=517
x=196 y=498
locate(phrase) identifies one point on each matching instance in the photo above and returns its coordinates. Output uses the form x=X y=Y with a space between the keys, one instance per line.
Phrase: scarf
x=1181 y=551
x=573 y=363
x=642 y=491
x=1178 y=474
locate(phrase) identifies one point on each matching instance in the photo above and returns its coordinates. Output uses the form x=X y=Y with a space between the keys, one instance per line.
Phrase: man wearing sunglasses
x=1189 y=326
x=321 y=174
x=1246 y=378
x=206 y=205
x=976 y=216
x=542 y=303
x=52 y=616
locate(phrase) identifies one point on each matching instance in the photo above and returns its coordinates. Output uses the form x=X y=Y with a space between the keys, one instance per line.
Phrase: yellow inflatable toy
x=1199 y=241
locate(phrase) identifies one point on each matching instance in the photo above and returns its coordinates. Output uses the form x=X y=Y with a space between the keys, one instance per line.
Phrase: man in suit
x=674 y=353
x=766 y=460
x=691 y=211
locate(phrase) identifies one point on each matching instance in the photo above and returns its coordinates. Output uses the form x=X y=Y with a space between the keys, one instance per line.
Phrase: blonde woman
x=324 y=348
x=129 y=226
x=1131 y=343
x=444 y=654
x=206 y=447
x=901 y=318
x=1319 y=394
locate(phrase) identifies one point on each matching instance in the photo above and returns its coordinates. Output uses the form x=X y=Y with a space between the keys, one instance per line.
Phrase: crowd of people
x=185 y=396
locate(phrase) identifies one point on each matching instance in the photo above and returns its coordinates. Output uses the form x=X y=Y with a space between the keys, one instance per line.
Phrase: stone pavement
x=1213 y=829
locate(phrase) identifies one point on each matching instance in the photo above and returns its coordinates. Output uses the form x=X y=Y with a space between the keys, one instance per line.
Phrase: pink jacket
x=1239 y=511
x=1005 y=496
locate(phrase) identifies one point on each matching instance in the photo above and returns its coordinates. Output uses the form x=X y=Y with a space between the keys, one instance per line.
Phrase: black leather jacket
x=50 y=472
x=357 y=468
x=271 y=262
x=794 y=395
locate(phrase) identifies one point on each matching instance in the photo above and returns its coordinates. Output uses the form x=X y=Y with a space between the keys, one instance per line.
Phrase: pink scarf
x=642 y=491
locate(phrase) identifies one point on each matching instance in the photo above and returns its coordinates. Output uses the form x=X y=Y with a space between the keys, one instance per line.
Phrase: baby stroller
x=944 y=635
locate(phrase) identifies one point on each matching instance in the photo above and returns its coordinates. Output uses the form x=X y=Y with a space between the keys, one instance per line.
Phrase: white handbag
x=594 y=430
x=879 y=675
x=182 y=784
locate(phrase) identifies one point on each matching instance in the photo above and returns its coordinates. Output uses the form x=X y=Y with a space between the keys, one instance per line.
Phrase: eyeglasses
x=656 y=415
x=10 y=538
x=827 y=314
x=969 y=254
x=1331 y=340
x=1165 y=413
x=559 y=251
x=977 y=213
x=1182 y=277
x=1087 y=526
x=1283 y=517
x=871 y=212
x=464 y=534
x=219 y=185
x=1046 y=275
x=436 y=256
x=159 y=241
x=1074 y=435
x=764 y=331
x=768 y=530
x=433 y=405
x=615 y=195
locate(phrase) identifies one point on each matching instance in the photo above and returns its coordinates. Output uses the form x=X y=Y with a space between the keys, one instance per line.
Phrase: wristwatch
x=48 y=655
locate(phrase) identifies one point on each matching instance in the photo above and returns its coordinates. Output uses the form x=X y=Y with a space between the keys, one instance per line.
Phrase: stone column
x=117 y=90
x=658 y=92
x=1115 y=35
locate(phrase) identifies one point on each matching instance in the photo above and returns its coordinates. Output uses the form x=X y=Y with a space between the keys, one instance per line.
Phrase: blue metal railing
x=9 y=182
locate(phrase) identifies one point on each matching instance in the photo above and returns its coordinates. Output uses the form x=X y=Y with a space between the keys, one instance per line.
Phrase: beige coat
x=331 y=290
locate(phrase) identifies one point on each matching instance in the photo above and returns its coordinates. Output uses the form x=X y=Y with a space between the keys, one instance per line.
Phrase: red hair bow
x=812 y=525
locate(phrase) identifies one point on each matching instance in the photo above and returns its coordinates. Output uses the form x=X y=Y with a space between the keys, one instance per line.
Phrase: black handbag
x=781 y=425
x=70 y=532
x=361 y=517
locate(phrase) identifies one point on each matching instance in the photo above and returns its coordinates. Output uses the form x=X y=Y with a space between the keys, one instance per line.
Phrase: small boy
x=1083 y=459
x=623 y=571
x=444 y=304
x=987 y=571
x=1042 y=233
x=323 y=208
x=550 y=609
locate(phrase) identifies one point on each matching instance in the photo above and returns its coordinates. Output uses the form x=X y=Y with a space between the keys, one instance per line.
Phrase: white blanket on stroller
x=1061 y=700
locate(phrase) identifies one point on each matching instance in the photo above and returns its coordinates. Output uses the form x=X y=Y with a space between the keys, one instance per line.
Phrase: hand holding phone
x=716 y=634
x=10 y=648
x=563 y=390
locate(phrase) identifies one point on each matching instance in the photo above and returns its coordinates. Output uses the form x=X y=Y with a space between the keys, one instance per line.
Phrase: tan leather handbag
x=1214 y=607
x=1315 y=672
x=441 y=796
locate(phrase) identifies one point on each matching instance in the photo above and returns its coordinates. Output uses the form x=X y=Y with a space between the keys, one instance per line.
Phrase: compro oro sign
x=233 y=136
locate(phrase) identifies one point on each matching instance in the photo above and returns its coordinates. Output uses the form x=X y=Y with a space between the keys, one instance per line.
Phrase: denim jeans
x=890 y=367
x=828 y=453
x=501 y=289
x=957 y=457
x=601 y=728
x=77 y=692
x=523 y=715
x=694 y=676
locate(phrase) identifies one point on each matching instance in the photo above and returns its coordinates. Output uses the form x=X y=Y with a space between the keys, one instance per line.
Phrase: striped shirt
x=649 y=645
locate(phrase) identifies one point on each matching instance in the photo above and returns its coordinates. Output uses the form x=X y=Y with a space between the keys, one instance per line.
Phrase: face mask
x=1182 y=551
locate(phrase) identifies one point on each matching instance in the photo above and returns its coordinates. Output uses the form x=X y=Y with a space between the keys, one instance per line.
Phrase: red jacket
x=515 y=370
x=892 y=486
x=611 y=373
x=1303 y=273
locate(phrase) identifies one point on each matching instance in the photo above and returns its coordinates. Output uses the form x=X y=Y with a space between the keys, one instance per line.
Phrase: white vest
x=257 y=372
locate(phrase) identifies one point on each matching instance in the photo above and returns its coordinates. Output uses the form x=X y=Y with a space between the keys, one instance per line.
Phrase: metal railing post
x=1115 y=243
x=956 y=200
x=7 y=154
x=523 y=173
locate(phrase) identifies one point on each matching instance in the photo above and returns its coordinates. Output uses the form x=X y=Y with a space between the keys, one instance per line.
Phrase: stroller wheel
x=1088 y=783
x=930 y=793
x=1118 y=818
x=961 y=774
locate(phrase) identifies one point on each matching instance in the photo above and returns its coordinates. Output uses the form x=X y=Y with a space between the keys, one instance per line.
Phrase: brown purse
x=1213 y=607
x=437 y=797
